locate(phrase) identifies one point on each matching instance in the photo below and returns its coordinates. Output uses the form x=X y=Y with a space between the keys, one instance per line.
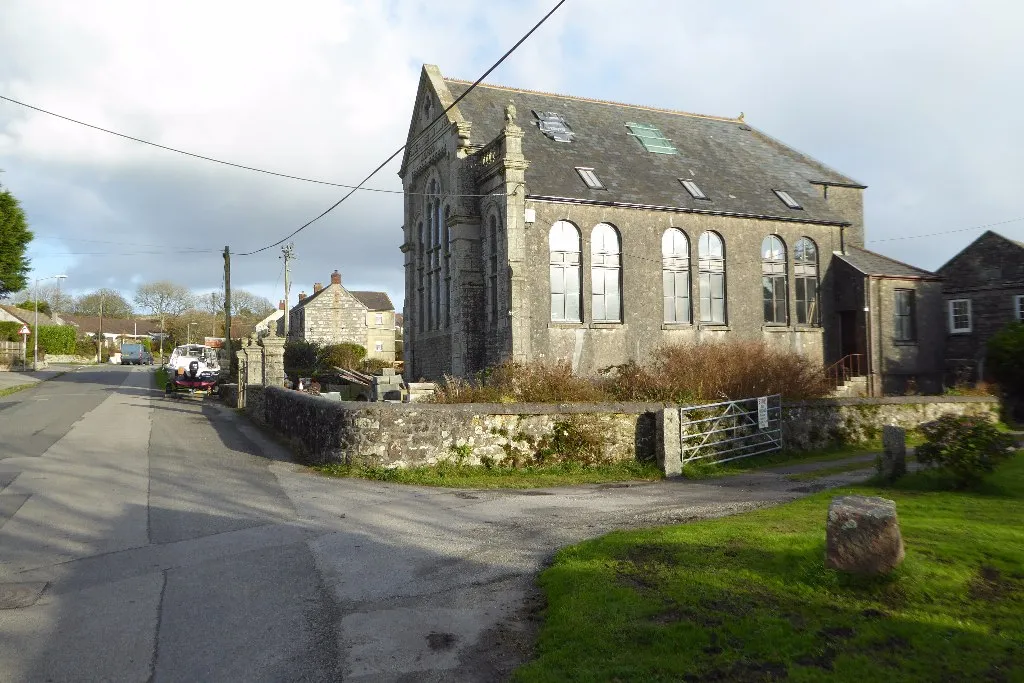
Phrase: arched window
x=805 y=271
x=446 y=264
x=605 y=274
x=421 y=254
x=675 y=275
x=711 y=263
x=492 y=267
x=773 y=279
x=564 y=246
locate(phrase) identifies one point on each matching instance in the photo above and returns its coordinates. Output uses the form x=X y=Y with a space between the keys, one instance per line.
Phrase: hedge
x=56 y=339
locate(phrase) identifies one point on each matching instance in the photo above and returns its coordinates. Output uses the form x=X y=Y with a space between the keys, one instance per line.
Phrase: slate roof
x=375 y=301
x=737 y=166
x=871 y=263
x=91 y=323
x=27 y=316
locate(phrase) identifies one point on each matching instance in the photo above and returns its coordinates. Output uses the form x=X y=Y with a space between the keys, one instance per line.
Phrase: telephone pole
x=227 y=303
x=289 y=253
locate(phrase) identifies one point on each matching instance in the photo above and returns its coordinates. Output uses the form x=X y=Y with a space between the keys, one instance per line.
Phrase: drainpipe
x=867 y=333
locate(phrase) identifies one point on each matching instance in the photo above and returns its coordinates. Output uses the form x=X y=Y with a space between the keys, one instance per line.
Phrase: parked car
x=147 y=357
x=131 y=354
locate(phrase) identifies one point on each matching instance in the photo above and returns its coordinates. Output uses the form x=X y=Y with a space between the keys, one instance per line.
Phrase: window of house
x=905 y=306
x=492 y=267
x=564 y=251
x=651 y=138
x=590 y=178
x=605 y=274
x=787 y=199
x=379 y=317
x=805 y=272
x=554 y=125
x=959 y=316
x=1018 y=307
x=675 y=275
x=773 y=279
x=379 y=347
x=446 y=269
x=693 y=189
x=711 y=267
x=421 y=251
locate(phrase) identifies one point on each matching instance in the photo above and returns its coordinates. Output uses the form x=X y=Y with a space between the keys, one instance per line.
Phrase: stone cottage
x=542 y=226
x=982 y=292
x=333 y=315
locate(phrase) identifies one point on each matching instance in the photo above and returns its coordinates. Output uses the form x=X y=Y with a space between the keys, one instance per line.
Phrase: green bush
x=85 y=348
x=1005 y=352
x=345 y=355
x=9 y=331
x=57 y=339
x=300 y=358
x=964 y=446
x=372 y=366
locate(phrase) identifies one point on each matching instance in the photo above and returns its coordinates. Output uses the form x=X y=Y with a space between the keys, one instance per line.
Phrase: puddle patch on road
x=441 y=641
x=18 y=595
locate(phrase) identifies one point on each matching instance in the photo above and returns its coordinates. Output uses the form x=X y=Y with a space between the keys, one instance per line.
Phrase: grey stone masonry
x=894 y=453
x=273 y=361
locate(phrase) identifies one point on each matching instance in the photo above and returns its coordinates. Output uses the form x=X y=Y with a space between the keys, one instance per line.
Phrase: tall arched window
x=564 y=247
x=675 y=275
x=446 y=268
x=421 y=255
x=605 y=274
x=805 y=271
x=773 y=279
x=492 y=267
x=711 y=263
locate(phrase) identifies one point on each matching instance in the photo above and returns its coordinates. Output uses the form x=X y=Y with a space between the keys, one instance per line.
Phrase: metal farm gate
x=730 y=430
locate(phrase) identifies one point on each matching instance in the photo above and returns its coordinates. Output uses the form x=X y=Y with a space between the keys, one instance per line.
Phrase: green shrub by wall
x=57 y=339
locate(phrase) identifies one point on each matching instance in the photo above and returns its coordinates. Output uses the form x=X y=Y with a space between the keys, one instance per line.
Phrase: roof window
x=553 y=125
x=590 y=178
x=694 y=191
x=787 y=199
x=651 y=138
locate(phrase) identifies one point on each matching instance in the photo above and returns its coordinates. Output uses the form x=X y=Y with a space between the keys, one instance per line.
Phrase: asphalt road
x=145 y=538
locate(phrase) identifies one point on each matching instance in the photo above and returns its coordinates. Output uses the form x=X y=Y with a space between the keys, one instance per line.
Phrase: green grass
x=706 y=470
x=160 y=377
x=748 y=598
x=479 y=477
x=16 y=388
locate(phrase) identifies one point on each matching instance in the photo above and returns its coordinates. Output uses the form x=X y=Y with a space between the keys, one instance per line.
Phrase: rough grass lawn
x=748 y=598
x=478 y=477
x=15 y=389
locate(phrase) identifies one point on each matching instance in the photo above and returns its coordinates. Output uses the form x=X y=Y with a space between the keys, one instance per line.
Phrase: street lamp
x=188 y=334
x=35 y=335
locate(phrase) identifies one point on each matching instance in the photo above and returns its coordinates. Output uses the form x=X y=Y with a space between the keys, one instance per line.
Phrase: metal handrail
x=845 y=368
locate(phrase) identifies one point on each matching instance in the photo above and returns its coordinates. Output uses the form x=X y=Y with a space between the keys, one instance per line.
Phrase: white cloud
x=917 y=100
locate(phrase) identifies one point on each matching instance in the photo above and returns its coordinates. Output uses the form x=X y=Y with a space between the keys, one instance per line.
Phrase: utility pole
x=289 y=253
x=227 y=303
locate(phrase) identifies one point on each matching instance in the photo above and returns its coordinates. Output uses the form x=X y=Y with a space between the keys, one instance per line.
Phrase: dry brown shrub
x=523 y=383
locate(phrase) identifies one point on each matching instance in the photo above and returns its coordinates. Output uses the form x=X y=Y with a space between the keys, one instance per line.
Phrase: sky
x=920 y=101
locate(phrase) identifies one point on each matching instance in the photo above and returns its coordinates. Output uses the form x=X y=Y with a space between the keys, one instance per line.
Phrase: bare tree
x=163 y=298
x=110 y=301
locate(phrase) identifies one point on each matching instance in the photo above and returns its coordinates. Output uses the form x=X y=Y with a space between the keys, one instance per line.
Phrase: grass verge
x=479 y=477
x=15 y=389
x=160 y=377
x=748 y=598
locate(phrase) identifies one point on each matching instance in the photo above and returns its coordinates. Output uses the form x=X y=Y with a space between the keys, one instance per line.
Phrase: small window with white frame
x=379 y=318
x=379 y=347
x=590 y=178
x=693 y=189
x=959 y=316
x=1018 y=307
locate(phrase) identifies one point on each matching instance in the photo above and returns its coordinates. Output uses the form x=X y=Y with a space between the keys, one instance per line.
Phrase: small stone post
x=273 y=361
x=669 y=449
x=863 y=535
x=894 y=454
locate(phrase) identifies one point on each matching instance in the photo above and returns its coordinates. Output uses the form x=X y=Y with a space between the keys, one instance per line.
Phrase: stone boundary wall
x=812 y=425
x=410 y=434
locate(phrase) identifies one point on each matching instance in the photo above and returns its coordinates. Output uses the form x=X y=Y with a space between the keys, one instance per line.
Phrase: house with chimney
x=335 y=315
x=544 y=227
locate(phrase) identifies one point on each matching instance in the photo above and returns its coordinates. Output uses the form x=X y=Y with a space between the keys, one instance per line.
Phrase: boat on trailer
x=192 y=368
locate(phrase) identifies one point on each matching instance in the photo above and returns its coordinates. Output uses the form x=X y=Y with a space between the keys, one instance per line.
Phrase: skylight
x=787 y=199
x=692 y=188
x=651 y=138
x=554 y=126
x=590 y=178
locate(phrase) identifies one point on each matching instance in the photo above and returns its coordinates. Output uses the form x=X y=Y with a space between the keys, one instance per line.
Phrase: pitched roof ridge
x=889 y=258
x=596 y=101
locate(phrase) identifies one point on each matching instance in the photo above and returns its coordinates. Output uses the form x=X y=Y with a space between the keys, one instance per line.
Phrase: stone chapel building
x=542 y=226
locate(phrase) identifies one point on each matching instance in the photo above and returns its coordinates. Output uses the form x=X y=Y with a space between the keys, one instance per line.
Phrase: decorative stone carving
x=510 y=113
x=893 y=462
x=863 y=535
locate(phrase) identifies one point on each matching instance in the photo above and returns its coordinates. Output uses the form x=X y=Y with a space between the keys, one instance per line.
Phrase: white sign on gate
x=762 y=412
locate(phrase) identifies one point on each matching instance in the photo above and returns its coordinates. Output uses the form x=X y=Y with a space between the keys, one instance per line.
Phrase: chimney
x=302 y=297
x=317 y=287
x=280 y=305
x=335 y=277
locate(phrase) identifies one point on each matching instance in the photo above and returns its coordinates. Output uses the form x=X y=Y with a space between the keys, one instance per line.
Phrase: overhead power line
x=947 y=232
x=424 y=130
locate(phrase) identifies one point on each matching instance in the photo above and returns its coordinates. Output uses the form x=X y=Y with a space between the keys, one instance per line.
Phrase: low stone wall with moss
x=812 y=425
x=409 y=434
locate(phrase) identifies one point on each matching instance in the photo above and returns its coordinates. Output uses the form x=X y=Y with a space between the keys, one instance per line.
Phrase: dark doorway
x=849 y=340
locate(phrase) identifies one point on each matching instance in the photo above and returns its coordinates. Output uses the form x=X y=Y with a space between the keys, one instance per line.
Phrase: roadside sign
x=762 y=412
x=24 y=330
